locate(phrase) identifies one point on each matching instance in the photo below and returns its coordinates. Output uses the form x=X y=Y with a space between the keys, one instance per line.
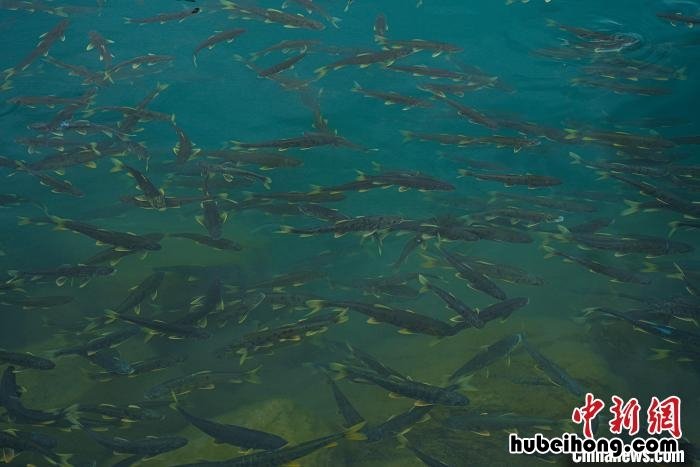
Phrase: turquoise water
x=621 y=89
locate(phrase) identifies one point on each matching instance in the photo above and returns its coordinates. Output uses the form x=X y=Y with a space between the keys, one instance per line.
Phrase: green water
x=521 y=90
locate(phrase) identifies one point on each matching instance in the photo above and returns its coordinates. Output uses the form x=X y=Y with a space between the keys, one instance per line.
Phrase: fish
x=140 y=292
x=235 y=435
x=476 y=280
x=209 y=43
x=365 y=59
x=57 y=185
x=690 y=280
x=515 y=215
x=554 y=372
x=119 y=240
x=472 y=115
x=464 y=312
x=389 y=98
x=531 y=181
x=312 y=7
x=306 y=141
x=617 y=274
x=270 y=15
x=212 y=301
x=267 y=339
x=558 y=203
x=592 y=226
x=286 y=455
x=277 y=68
x=351 y=416
x=675 y=17
x=429 y=72
x=407 y=321
x=48 y=39
x=184 y=149
x=123 y=413
x=502 y=348
x=413 y=243
x=18 y=413
x=621 y=88
x=149 y=446
x=380 y=27
x=321 y=212
x=155 y=197
x=424 y=457
x=667 y=199
x=368 y=224
x=218 y=244
x=212 y=218
x=101 y=45
x=435 y=48
x=501 y=271
x=422 y=393
x=624 y=244
x=26 y=360
x=228 y=171
x=398 y=424
x=19 y=441
x=265 y=160
x=30 y=302
x=104 y=341
x=157 y=363
x=665 y=332
x=239 y=309
x=165 y=17
x=286 y=46
x=153 y=327
x=111 y=362
x=201 y=380
x=66 y=272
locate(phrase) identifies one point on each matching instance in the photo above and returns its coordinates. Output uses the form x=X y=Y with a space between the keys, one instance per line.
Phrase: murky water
x=309 y=207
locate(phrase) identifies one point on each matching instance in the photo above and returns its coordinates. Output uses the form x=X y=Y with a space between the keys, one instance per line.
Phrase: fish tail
x=321 y=72
x=590 y=310
x=252 y=376
x=649 y=267
x=354 y=433
x=659 y=354
x=464 y=383
x=407 y=135
x=338 y=368
x=315 y=305
x=22 y=220
x=550 y=251
x=576 y=159
x=356 y=86
x=570 y=133
x=429 y=262
x=71 y=415
x=335 y=20
x=111 y=316
x=118 y=165
x=674 y=226
x=464 y=173
x=633 y=207
x=680 y=74
x=423 y=282
x=285 y=229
